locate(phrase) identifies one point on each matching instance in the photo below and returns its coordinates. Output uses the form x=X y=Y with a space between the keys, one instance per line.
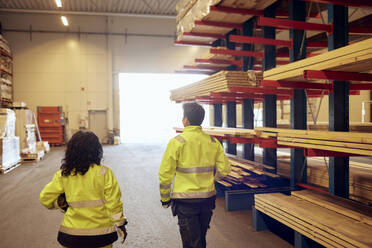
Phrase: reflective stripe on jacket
x=193 y=157
x=94 y=200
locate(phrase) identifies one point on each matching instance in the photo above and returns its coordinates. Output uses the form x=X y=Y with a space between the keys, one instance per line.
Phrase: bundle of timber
x=346 y=142
x=219 y=82
x=360 y=177
x=356 y=57
x=201 y=11
x=225 y=132
x=182 y=7
x=328 y=220
x=249 y=173
x=324 y=126
x=210 y=55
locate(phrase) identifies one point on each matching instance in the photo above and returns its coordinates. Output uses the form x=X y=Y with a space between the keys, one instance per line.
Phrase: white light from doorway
x=147 y=115
x=59 y=3
x=64 y=20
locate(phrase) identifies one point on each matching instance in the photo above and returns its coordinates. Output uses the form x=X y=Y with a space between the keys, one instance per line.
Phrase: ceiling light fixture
x=59 y=3
x=64 y=20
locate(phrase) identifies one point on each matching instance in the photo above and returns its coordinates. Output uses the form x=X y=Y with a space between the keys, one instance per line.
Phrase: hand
x=122 y=233
x=166 y=204
x=62 y=203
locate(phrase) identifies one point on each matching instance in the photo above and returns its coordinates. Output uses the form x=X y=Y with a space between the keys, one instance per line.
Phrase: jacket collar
x=192 y=129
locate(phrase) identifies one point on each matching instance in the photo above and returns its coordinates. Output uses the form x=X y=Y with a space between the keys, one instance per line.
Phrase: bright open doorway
x=147 y=115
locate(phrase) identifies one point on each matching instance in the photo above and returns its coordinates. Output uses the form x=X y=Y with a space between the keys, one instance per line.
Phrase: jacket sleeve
x=222 y=162
x=167 y=169
x=113 y=197
x=50 y=193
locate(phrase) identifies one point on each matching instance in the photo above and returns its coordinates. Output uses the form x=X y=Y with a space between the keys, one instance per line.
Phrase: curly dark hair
x=83 y=150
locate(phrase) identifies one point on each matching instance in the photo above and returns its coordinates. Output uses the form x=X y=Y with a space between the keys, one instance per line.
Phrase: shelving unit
x=6 y=74
x=294 y=68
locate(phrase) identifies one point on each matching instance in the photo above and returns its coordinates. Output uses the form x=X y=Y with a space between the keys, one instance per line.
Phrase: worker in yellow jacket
x=193 y=159
x=88 y=193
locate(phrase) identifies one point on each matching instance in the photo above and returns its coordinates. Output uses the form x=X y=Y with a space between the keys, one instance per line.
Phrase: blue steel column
x=231 y=106
x=248 y=104
x=297 y=12
x=339 y=103
x=217 y=108
x=269 y=106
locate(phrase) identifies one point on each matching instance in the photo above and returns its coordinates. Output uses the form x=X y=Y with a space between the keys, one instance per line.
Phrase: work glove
x=62 y=203
x=122 y=232
x=165 y=204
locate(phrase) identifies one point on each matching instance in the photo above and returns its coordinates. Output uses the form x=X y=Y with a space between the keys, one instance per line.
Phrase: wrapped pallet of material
x=31 y=138
x=7 y=122
x=9 y=152
x=24 y=117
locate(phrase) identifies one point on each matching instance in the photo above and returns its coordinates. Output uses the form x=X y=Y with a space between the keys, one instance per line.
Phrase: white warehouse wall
x=80 y=72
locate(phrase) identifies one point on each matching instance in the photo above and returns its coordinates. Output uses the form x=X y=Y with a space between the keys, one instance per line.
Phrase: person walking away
x=89 y=195
x=192 y=159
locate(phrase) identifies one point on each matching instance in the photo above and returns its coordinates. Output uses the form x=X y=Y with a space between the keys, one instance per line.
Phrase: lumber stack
x=360 y=176
x=353 y=127
x=209 y=55
x=347 y=142
x=330 y=221
x=218 y=82
x=225 y=132
x=199 y=10
x=356 y=57
x=248 y=173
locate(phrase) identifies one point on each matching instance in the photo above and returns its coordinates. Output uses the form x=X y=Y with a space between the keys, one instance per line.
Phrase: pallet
x=9 y=169
x=32 y=157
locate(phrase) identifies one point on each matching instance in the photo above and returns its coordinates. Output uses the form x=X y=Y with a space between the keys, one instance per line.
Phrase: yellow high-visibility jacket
x=193 y=157
x=95 y=206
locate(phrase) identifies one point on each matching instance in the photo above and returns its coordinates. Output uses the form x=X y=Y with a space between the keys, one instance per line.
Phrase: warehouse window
x=146 y=112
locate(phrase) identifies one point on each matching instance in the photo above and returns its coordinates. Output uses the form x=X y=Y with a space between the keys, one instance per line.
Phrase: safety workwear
x=94 y=204
x=193 y=157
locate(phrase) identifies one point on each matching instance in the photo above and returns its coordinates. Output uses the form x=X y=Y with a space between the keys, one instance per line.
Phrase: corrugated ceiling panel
x=153 y=7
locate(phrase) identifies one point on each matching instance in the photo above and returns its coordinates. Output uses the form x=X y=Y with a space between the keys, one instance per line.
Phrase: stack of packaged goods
x=26 y=129
x=9 y=151
x=6 y=69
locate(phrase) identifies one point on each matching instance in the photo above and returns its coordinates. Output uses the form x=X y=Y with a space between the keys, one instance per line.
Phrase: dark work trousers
x=193 y=221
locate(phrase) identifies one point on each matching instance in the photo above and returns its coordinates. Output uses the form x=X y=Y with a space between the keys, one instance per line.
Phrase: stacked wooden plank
x=200 y=11
x=356 y=57
x=248 y=173
x=353 y=127
x=347 y=142
x=360 y=176
x=218 y=82
x=225 y=132
x=330 y=221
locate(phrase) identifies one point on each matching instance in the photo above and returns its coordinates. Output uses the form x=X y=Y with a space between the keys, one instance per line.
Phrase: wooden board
x=201 y=11
x=340 y=205
x=218 y=82
x=343 y=228
x=353 y=58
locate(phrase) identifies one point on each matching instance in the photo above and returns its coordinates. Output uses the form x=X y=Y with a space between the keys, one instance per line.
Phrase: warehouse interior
x=287 y=90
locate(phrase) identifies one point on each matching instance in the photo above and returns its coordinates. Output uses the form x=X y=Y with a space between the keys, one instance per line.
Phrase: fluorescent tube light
x=59 y=3
x=64 y=20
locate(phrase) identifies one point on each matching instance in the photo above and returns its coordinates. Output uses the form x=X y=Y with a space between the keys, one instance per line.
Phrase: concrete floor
x=24 y=222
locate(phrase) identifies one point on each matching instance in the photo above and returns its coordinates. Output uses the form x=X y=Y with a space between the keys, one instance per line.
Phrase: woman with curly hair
x=89 y=195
